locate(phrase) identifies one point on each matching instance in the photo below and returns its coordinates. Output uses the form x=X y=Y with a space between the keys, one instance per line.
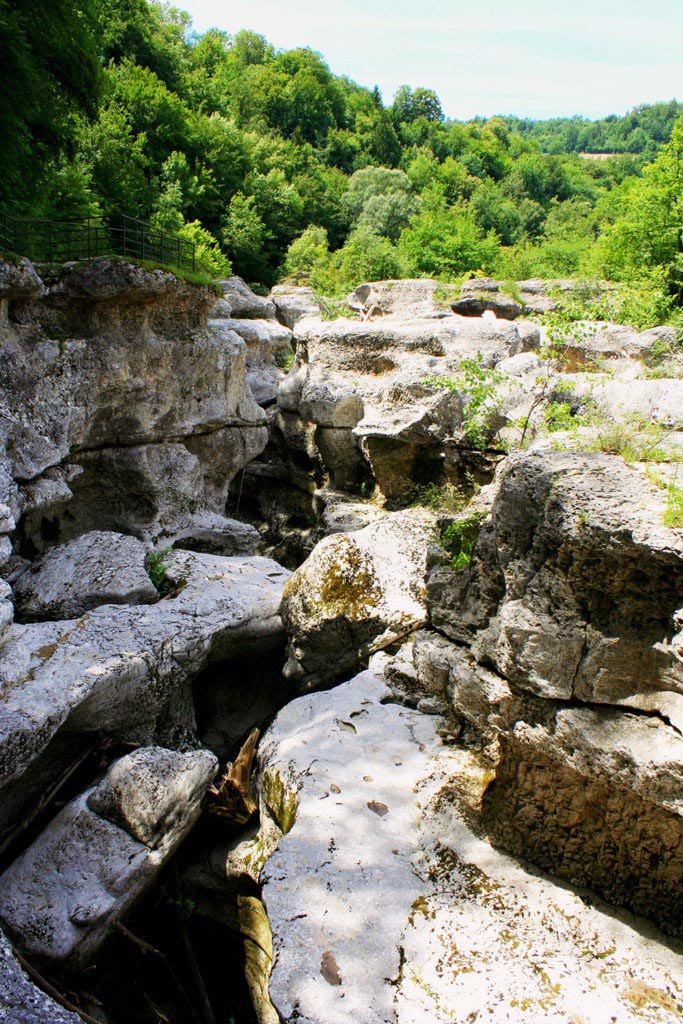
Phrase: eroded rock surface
x=385 y=907
x=127 y=671
x=98 y=568
x=101 y=852
x=120 y=408
x=356 y=593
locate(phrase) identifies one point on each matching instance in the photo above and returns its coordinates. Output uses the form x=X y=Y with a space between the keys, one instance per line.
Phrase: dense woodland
x=275 y=166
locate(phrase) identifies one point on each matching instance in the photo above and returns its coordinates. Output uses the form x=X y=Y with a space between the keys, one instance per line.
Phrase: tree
x=380 y=201
x=51 y=75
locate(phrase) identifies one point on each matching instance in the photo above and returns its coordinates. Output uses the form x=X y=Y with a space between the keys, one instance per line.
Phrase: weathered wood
x=233 y=798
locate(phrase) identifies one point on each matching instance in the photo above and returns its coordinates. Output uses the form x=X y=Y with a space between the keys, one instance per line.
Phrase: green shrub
x=673 y=516
x=459 y=538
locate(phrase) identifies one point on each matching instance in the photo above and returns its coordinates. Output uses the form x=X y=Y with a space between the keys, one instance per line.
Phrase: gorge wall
x=490 y=608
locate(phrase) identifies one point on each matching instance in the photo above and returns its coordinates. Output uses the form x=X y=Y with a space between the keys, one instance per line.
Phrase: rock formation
x=480 y=506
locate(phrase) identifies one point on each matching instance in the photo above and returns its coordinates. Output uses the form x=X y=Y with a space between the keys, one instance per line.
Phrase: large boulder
x=241 y=303
x=574 y=585
x=356 y=593
x=99 y=568
x=386 y=908
x=22 y=1002
x=482 y=294
x=381 y=396
x=91 y=863
x=293 y=303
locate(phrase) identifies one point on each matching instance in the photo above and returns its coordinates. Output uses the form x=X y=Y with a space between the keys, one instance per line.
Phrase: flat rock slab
x=127 y=670
x=84 y=871
x=340 y=887
x=386 y=908
x=98 y=568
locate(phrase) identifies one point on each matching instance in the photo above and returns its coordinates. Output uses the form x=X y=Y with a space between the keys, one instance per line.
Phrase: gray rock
x=98 y=568
x=482 y=294
x=151 y=792
x=386 y=908
x=84 y=872
x=241 y=303
x=127 y=670
x=410 y=298
x=19 y=280
x=21 y=1002
x=293 y=303
x=574 y=583
x=213 y=534
x=78 y=425
x=6 y=611
x=356 y=593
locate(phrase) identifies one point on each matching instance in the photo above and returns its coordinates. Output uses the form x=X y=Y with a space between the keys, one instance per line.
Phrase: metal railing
x=53 y=242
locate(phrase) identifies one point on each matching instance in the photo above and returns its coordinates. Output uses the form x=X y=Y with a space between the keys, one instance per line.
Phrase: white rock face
x=356 y=593
x=127 y=670
x=386 y=908
x=340 y=887
x=99 y=568
x=84 y=872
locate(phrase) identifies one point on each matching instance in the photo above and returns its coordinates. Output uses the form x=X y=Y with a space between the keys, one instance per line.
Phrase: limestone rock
x=112 y=362
x=83 y=872
x=22 y=1002
x=19 y=280
x=213 y=534
x=241 y=303
x=481 y=294
x=150 y=792
x=6 y=611
x=410 y=298
x=356 y=593
x=98 y=568
x=385 y=907
x=573 y=584
x=126 y=671
x=374 y=379
x=292 y=303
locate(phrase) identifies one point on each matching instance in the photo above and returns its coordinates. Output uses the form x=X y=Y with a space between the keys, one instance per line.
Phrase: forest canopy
x=273 y=165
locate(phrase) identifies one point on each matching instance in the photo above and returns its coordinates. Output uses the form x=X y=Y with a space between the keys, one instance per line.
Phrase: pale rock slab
x=84 y=872
x=385 y=907
x=99 y=568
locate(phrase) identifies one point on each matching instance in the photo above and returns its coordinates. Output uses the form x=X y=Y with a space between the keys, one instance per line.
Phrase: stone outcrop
x=482 y=294
x=126 y=672
x=363 y=398
x=99 y=854
x=574 y=584
x=120 y=408
x=356 y=593
x=69 y=580
x=568 y=667
x=385 y=907
x=293 y=303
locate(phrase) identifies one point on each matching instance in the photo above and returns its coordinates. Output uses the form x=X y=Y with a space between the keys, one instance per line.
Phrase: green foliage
x=309 y=249
x=478 y=385
x=559 y=416
x=50 y=78
x=208 y=257
x=673 y=516
x=156 y=570
x=116 y=106
x=459 y=538
x=441 y=498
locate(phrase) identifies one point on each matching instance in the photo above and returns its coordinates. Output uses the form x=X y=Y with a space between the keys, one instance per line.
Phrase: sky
x=533 y=58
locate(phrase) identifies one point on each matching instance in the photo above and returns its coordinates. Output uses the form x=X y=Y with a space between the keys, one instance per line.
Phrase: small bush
x=156 y=570
x=459 y=538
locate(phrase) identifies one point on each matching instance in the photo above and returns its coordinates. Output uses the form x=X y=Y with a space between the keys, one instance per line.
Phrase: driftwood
x=233 y=800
